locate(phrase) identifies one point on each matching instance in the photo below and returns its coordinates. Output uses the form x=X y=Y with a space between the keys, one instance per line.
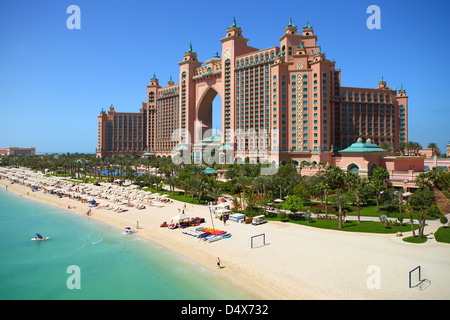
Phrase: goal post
x=417 y=279
x=258 y=240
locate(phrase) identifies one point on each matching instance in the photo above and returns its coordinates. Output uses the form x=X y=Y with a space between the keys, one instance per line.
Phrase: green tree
x=293 y=203
x=421 y=199
x=422 y=181
x=339 y=200
x=334 y=176
x=378 y=179
x=432 y=146
x=302 y=191
x=353 y=182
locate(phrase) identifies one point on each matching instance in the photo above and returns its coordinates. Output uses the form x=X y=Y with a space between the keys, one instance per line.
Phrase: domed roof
x=360 y=146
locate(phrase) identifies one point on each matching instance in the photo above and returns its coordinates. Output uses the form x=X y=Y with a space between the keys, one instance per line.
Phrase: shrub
x=315 y=209
x=384 y=220
x=308 y=215
x=385 y=213
x=443 y=220
x=281 y=215
x=433 y=211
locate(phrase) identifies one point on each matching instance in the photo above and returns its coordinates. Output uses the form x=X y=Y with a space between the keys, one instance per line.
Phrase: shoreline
x=297 y=262
x=173 y=246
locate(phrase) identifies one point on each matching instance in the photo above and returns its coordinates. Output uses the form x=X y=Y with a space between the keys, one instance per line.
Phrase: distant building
x=17 y=151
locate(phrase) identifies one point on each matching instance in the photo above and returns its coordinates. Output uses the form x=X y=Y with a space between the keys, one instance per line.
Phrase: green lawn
x=415 y=239
x=442 y=234
x=371 y=211
x=351 y=226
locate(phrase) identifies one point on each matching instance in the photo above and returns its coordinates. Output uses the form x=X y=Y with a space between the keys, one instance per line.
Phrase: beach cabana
x=180 y=218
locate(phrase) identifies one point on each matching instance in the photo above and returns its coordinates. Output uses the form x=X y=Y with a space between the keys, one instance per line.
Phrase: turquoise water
x=111 y=266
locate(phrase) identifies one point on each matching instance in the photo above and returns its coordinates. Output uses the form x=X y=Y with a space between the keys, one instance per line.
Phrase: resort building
x=17 y=151
x=278 y=103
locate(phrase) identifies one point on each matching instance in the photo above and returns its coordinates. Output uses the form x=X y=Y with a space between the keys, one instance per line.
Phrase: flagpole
x=210 y=212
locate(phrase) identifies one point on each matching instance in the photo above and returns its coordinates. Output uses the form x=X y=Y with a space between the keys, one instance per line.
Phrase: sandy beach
x=297 y=262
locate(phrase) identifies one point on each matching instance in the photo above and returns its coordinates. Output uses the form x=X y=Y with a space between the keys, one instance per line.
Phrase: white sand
x=297 y=262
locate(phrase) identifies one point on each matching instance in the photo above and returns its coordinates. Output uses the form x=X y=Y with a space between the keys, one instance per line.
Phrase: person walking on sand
x=218 y=263
x=137 y=225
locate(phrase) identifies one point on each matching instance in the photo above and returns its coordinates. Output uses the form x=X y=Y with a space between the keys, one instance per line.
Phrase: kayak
x=40 y=239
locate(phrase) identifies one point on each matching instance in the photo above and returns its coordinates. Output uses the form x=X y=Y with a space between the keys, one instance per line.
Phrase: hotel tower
x=279 y=103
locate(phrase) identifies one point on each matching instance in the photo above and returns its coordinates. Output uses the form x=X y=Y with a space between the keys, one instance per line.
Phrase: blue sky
x=54 y=81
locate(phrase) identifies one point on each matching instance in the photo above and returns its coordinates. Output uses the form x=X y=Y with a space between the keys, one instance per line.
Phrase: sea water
x=86 y=259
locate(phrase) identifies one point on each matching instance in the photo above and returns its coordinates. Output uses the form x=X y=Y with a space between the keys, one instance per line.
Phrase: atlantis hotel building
x=289 y=95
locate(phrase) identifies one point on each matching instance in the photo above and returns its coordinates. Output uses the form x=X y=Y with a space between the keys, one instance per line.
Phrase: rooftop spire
x=307 y=25
x=290 y=23
x=190 y=48
x=234 y=25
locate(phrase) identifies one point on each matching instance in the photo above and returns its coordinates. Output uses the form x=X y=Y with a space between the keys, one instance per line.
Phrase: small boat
x=204 y=235
x=38 y=237
x=128 y=231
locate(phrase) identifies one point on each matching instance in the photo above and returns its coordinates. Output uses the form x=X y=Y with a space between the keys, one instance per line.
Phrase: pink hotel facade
x=290 y=94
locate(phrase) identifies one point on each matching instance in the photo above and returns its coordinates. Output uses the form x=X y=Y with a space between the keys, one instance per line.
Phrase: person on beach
x=218 y=263
x=137 y=225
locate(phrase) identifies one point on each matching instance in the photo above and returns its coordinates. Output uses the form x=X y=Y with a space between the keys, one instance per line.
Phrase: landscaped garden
x=330 y=199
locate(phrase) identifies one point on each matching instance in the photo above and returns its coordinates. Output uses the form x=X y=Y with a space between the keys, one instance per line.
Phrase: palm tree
x=417 y=147
x=410 y=210
x=432 y=146
x=172 y=181
x=353 y=181
x=379 y=178
x=422 y=181
x=401 y=148
x=434 y=175
x=242 y=182
x=334 y=176
x=215 y=192
x=339 y=199
x=386 y=145
x=323 y=185
x=199 y=185
x=184 y=184
x=280 y=182
x=259 y=183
